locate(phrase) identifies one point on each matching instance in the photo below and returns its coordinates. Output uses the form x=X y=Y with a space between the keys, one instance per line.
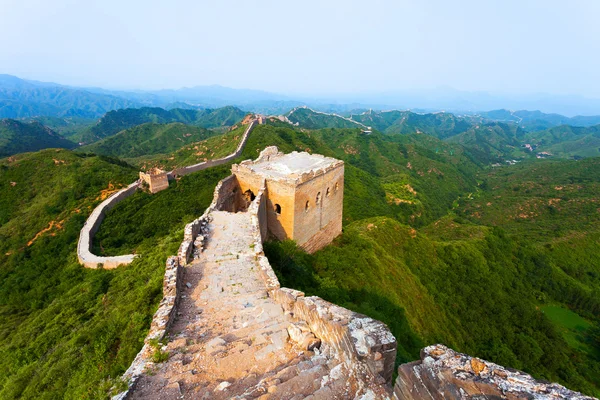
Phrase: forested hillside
x=18 y=137
x=495 y=262
x=116 y=121
x=568 y=141
x=148 y=139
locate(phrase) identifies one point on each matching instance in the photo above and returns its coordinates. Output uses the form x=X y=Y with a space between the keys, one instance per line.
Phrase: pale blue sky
x=309 y=47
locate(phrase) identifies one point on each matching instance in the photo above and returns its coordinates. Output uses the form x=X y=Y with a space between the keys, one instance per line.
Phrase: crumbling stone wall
x=366 y=346
x=443 y=374
x=161 y=322
x=86 y=237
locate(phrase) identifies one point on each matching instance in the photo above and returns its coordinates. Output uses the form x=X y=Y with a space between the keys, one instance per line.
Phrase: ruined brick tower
x=305 y=194
x=156 y=179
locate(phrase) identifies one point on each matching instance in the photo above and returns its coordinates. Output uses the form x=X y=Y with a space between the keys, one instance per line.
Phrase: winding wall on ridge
x=92 y=224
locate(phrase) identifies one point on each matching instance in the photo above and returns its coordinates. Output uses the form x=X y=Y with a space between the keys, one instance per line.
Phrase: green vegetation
x=18 y=137
x=497 y=262
x=574 y=328
x=209 y=149
x=66 y=331
x=441 y=125
x=536 y=120
x=568 y=141
x=67 y=127
x=116 y=121
x=148 y=139
x=495 y=141
x=310 y=119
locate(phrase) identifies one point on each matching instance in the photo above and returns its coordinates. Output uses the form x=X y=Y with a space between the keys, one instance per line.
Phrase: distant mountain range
x=21 y=98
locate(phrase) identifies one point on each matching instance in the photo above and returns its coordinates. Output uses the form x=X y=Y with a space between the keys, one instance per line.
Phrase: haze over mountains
x=21 y=98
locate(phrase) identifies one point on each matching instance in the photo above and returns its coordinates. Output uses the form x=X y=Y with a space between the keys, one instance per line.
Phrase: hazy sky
x=307 y=46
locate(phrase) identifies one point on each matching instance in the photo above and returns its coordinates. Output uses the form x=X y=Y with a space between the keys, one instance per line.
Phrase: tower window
x=337 y=186
x=327 y=193
x=318 y=200
x=306 y=207
x=277 y=208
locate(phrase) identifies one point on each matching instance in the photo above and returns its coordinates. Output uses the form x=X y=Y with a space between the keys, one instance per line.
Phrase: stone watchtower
x=156 y=178
x=305 y=194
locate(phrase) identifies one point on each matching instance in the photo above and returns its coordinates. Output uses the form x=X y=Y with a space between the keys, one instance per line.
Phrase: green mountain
x=441 y=125
x=148 y=139
x=116 y=121
x=500 y=263
x=493 y=141
x=18 y=137
x=311 y=119
x=568 y=141
x=537 y=120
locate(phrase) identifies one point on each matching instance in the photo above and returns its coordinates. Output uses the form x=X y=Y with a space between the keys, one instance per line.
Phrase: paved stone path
x=229 y=339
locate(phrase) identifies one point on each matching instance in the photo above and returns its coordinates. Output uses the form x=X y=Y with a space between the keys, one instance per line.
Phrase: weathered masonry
x=156 y=178
x=305 y=194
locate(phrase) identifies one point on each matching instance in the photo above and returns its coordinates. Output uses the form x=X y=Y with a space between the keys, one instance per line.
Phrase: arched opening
x=318 y=200
x=249 y=195
x=307 y=206
x=277 y=208
x=327 y=193
x=336 y=187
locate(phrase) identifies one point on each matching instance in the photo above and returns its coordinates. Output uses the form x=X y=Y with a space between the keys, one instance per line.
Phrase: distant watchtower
x=305 y=194
x=156 y=179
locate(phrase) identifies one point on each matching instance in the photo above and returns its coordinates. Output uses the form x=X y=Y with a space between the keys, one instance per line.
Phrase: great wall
x=231 y=331
x=86 y=237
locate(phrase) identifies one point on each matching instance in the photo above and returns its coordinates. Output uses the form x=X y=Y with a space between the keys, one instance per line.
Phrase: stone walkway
x=230 y=339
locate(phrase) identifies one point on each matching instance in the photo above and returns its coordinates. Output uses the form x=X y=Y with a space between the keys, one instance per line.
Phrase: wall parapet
x=161 y=322
x=220 y=161
x=366 y=345
x=86 y=237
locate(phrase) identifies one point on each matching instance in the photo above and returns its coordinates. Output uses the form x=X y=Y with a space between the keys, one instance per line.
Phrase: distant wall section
x=86 y=237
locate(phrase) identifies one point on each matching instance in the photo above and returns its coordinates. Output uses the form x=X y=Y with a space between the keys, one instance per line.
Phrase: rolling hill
x=537 y=120
x=148 y=139
x=18 y=137
x=118 y=120
x=441 y=125
x=568 y=141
